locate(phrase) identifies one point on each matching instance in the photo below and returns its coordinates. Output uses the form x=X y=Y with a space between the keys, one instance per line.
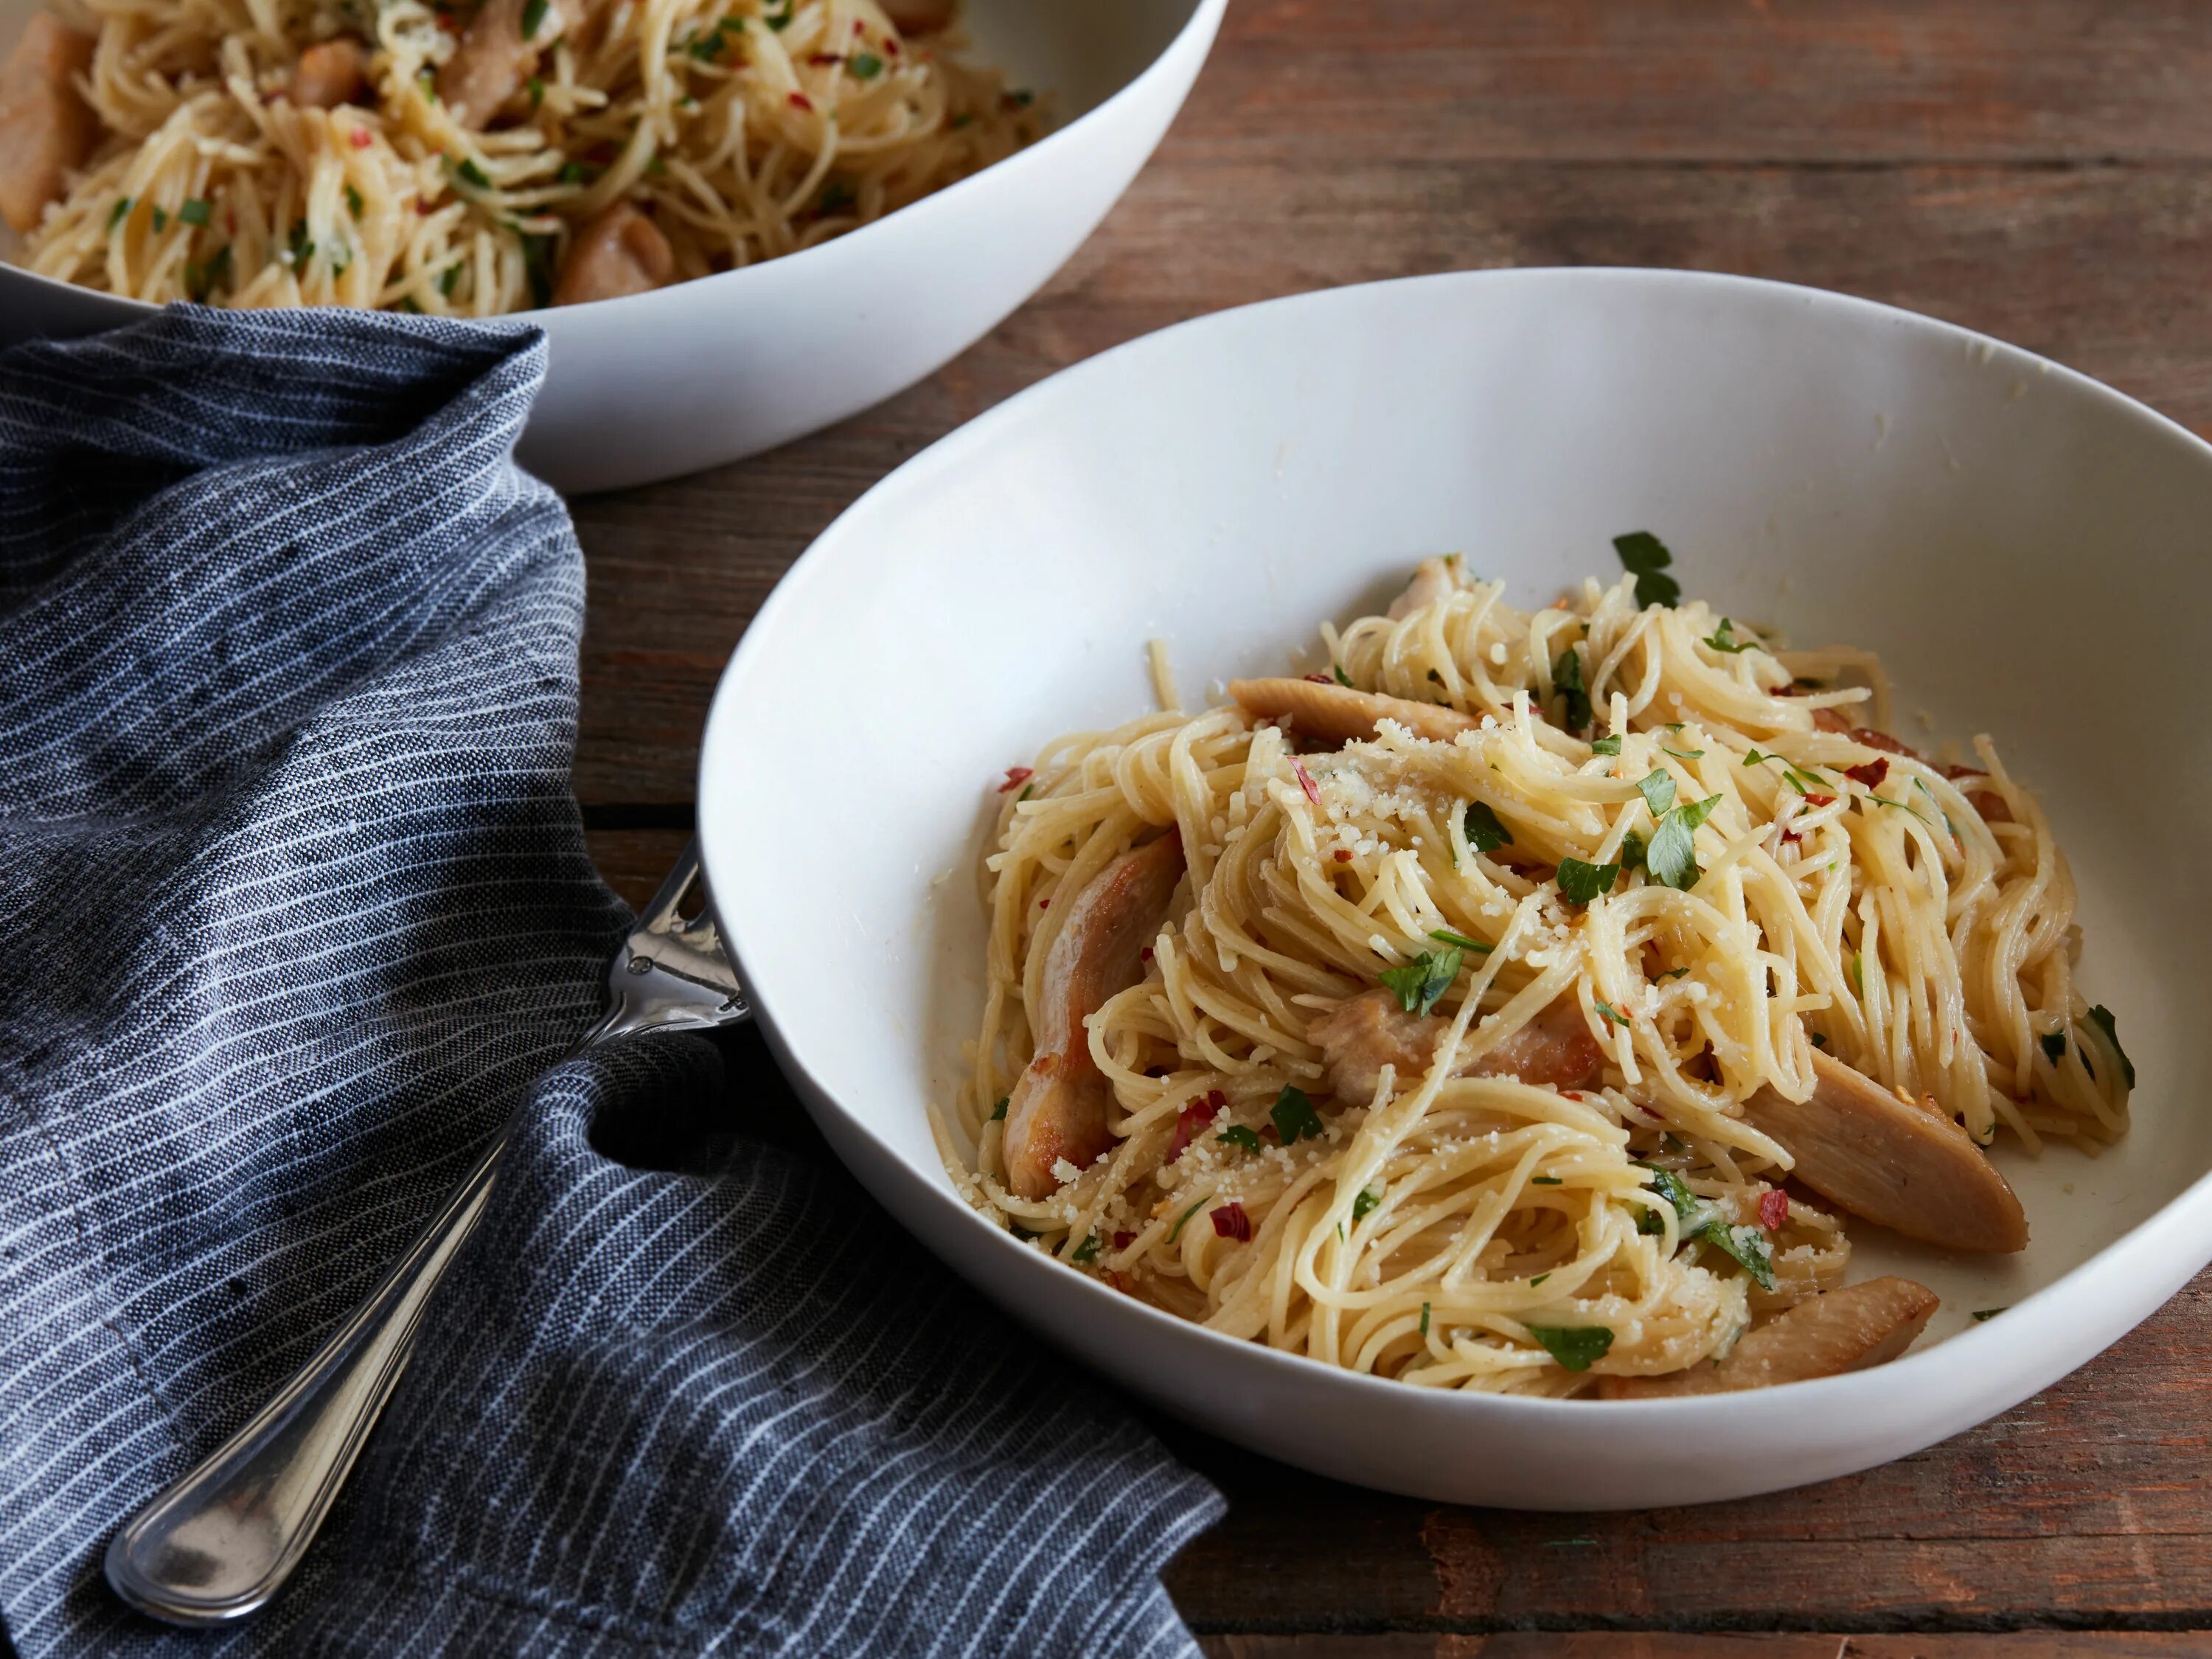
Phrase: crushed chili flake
x=1344 y=855
x=1044 y=904
x=1791 y=838
x=1773 y=1209
x=1871 y=774
x=1123 y=1240
x=1230 y=1221
x=1955 y=772
x=800 y=101
x=230 y=220
x=891 y=46
x=1320 y=679
x=360 y=138
x=1305 y=781
x=1016 y=776
x=1144 y=955
x=1819 y=800
x=824 y=58
x=1195 y=1116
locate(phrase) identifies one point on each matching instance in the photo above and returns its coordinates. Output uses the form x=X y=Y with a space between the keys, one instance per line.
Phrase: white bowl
x=2018 y=541
x=691 y=376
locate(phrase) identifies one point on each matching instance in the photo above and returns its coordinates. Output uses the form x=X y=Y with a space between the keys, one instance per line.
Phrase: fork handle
x=218 y=1544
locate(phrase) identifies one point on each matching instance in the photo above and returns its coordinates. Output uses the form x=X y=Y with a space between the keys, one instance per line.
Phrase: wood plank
x=1690 y=81
x=2101 y=269
x=633 y=861
x=2084 y=1507
x=1530 y=1645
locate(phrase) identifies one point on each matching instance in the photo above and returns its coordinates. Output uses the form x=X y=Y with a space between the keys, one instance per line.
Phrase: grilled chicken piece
x=1845 y=1330
x=917 y=16
x=1059 y=1108
x=621 y=252
x=330 y=73
x=493 y=61
x=1433 y=579
x=1909 y=1168
x=46 y=128
x=1363 y=1033
x=1338 y=714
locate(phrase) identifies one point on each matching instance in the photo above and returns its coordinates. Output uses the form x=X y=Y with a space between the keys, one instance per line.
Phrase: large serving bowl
x=665 y=383
x=2024 y=547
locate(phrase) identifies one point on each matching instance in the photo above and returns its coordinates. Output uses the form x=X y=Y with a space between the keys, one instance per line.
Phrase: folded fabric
x=295 y=909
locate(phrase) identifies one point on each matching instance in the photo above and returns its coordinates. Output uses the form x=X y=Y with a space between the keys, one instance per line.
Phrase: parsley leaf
x=194 y=212
x=1725 y=640
x=865 y=65
x=1657 y=789
x=116 y=214
x=1644 y=557
x=1610 y=1012
x=1981 y=1314
x=533 y=13
x=999 y=1111
x=1176 y=1230
x=1648 y=1220
x=1567 y=681
x=537 y=92
x=1607 y=745
x=1633 y=848
x=469 y=173
x=1747 y=1245
x=1237 y=1135
x=1421 y=983
x=1575 y=1346
x=1086 y=1251
x=353 y=201
x=1858 y=972
x=1671 y=859
x=1424 y=1319
x=2101 y=1017
x=1580 y=883
x=1484 y=832
x=1337 y=669
x=2054 y=1045
x=1295 y=1117
x=1363 y=1206
x=1444 y=935
x=1538 y=1280
x=1682 y=754
x=1546 y=1181
x=1804 y=782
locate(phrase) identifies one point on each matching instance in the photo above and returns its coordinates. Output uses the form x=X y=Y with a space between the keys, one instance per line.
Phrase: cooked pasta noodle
x=1457 y=1229
x=740 y=130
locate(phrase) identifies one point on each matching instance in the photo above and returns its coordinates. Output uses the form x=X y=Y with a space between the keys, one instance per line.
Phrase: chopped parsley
x=1295 y=1117
x=2101 y=1017
x=2054 y=1046
x=116 y=214
x=353 y=201
x=779 y=20
x=1419 y=985
x=865 y=65
x=200 y=280
x=195 y=212
x=161 y=222
x=1337 y=669
x=1175 y=1232
x=1424 y=1319
x=1580 y=883
x=537 y=92
x=1567 y=681
x=1805 y=783
x=537 y=266
x=1607 y=745
x=1445 y=936
x=1237 y=1134
x=1671 y=859
x=1364 y=1206
x=709 y=47
x=1657 y=789
x=1538 y=1280
x=1546 y=1181
x=1819 y=1040
x=533 y=13
x=999 y=1111
x=449 y=279
x=576 y=172
x=1701 y=1223
x=1575 y=1346
x=1632 y=848
x=1609 y=1011
x=1644 y=557
x=1858 y=972
x=836 y=196
x=1649 y=1220
x=1981 y=1314
x=1726 y=640
x=299 y=247
x=1484 y=832
x=1088 y=1250
x=1682 y=754
x=469 y=173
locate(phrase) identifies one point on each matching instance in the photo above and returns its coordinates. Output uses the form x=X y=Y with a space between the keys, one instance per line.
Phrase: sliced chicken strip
x=1338 y=714
x=1909 y=1168
x=330 y=73
x=1363 y=1033
x=46 y=129
x=1061 y=1107
x=1433 y=579
x=493 y=61
x=621 y=252
x=1845 y=1330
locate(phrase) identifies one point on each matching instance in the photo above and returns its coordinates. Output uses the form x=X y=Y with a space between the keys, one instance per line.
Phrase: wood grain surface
x=2041 y=170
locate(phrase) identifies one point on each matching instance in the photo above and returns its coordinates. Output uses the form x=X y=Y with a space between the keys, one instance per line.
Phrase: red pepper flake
x=1791 y=838
x=1044 y=904
x=1230 y=1221
x=891 y=46
x=1320 y=679
x=1344 y=855
x=1144 y=955
x=1819 y=800
x=360 y=138
x=1193 y=1117
x=230 y=220
x=1305 y=781
x=1955 y=772
x=800 y=101
x=1122 y=1240
x=859 y=27
x=1871 y=774
x=1773 y=1209
x=1016 y=777
x=824 y=57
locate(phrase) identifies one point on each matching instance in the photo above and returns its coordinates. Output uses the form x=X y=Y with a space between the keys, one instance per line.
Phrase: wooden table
x=2034 y=168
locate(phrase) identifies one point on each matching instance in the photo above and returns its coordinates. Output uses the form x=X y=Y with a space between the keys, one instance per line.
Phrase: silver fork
x=218 y=1544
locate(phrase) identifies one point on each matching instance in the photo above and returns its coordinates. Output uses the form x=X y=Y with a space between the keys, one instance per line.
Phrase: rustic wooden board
x=2037 y=170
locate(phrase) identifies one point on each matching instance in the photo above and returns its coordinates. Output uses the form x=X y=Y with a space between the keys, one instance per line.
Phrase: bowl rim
x=1205 y=19
x=2165 y=1248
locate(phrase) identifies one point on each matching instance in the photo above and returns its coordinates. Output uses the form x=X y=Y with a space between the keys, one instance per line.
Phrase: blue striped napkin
x=294 y=907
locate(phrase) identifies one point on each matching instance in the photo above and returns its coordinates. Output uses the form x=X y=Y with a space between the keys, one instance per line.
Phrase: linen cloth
x=295 y=909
